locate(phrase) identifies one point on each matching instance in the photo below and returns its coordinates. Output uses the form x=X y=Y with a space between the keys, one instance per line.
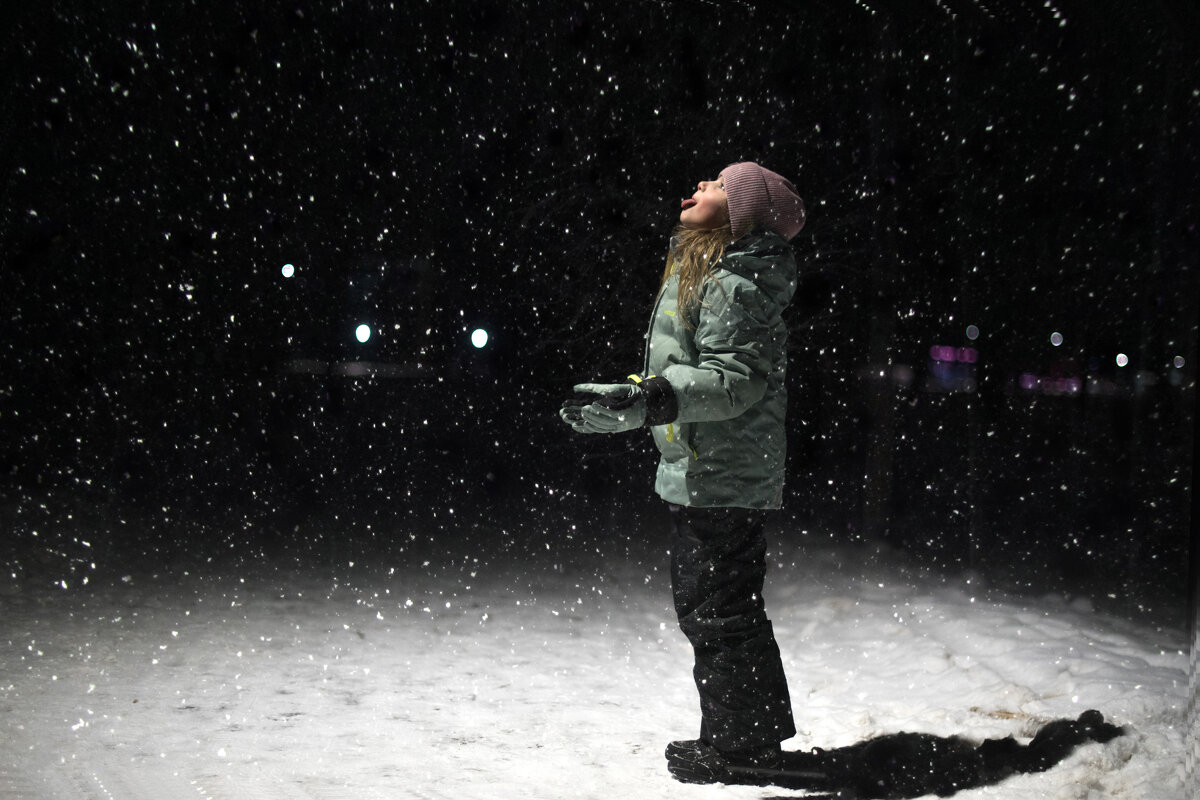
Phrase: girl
x=712 y=392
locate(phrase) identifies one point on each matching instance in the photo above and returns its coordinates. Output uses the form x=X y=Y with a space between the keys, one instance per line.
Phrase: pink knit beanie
x=759 y=196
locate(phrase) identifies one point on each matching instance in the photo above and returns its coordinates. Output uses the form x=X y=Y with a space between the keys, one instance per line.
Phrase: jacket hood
x=765 y=258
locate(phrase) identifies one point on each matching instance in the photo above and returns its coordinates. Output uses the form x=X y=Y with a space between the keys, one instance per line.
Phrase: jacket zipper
x=670 y=433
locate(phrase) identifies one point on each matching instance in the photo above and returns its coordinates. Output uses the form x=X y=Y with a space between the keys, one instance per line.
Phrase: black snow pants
x=718 y=563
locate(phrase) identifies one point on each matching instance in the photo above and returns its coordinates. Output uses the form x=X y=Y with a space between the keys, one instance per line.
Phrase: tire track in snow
x=31 y=771
x=268 y=785
x=49 y=781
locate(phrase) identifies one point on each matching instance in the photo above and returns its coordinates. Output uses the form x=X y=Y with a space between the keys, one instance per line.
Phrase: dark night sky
x=430 y=167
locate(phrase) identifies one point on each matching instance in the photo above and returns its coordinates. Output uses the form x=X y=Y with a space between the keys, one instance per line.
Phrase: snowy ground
x=535 y=682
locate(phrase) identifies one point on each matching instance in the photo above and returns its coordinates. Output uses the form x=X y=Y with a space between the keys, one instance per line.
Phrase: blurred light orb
x=972 y=332
x=1056 y=338
x=479 y=338
x=1122 y=360
x=362 y=332
x=288 y=270
x=1178 y=362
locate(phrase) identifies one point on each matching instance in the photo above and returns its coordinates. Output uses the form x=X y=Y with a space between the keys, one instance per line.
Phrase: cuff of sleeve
x=661 y=405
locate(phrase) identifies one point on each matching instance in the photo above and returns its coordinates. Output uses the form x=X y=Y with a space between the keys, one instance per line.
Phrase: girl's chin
x=694 y=225
x=689 y=220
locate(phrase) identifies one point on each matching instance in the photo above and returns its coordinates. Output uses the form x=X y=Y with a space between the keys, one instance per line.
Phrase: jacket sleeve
x=733 y=339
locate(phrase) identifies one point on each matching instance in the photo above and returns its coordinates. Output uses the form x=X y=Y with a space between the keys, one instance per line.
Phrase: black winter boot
x=696 y=761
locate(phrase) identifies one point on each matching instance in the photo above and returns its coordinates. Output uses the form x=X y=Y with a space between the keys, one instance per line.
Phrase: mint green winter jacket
x=727 y=445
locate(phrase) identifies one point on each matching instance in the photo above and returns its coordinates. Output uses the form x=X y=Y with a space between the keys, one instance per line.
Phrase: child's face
x=708 y=208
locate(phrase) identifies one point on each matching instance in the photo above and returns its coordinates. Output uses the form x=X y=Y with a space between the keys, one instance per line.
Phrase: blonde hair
x=693 y=257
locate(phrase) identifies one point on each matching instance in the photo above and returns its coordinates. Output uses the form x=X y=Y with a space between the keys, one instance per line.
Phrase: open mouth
x=686 y=204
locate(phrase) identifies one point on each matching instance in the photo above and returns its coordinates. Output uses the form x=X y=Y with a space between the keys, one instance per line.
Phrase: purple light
x=941 y=353
x=965 y=355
